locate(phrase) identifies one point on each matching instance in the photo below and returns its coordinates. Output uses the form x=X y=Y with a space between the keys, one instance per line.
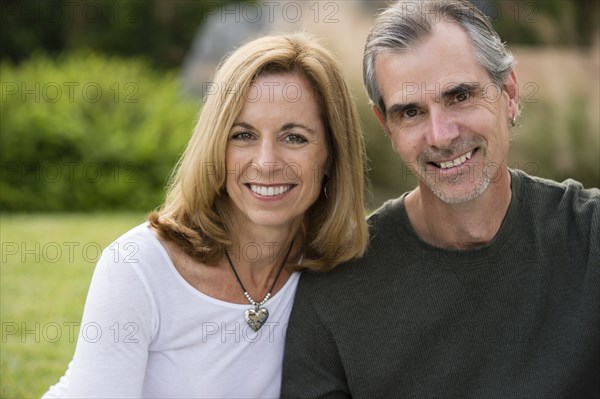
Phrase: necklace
x=258 y=316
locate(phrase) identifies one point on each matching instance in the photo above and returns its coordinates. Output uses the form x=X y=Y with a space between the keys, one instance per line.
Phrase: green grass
x=46 y=265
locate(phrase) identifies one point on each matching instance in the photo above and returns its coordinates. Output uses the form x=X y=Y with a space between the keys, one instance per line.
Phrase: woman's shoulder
x=138 y=246
x=142 y=232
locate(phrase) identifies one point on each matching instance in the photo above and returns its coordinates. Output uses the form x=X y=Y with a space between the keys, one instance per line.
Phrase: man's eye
x=295 y=138
x=461 y=97
x=410 y=113
x=242 y=136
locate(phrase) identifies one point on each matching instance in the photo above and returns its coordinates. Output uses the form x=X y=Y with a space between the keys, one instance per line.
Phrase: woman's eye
x=295 y=138
x=242 y=136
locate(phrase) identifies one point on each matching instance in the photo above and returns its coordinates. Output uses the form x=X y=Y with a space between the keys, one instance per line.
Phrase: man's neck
x=459 y=226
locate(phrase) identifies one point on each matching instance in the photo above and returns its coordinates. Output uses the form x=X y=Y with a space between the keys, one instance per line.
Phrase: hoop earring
x=325 y=181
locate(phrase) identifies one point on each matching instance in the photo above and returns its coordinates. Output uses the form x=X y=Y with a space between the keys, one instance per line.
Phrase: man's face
x=445 y=117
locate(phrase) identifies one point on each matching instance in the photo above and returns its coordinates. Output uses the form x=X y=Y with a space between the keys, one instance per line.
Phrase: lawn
x=46 y=265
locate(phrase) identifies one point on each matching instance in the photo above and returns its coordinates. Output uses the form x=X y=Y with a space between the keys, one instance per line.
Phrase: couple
x=481 y=282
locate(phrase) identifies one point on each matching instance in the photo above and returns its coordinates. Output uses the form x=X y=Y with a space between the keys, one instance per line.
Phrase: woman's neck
x=257 y=253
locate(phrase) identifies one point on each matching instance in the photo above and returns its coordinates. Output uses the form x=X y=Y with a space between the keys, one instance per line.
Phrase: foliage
x=159 y=30
x=564 y=146
x=162 y=31
x=548 y=22
x=85 y=132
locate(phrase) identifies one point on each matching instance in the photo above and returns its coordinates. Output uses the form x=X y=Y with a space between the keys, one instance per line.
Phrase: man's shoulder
x=568 y=195
x=388 y=214
x=559 y=208
x=385 y=223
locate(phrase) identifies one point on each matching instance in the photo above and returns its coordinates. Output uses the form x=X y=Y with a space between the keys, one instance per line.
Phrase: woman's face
x=276 y=153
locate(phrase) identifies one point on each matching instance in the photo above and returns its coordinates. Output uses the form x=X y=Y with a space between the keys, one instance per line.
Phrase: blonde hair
x=194 y=214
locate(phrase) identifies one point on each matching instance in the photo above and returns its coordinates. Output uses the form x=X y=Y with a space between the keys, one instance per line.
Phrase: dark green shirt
x=517 y=318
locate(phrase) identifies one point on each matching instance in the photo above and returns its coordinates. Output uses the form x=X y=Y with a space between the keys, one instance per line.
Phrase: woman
x=197 y=301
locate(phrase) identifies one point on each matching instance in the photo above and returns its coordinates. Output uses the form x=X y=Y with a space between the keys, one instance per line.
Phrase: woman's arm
x=116 y=329
x=59 y=390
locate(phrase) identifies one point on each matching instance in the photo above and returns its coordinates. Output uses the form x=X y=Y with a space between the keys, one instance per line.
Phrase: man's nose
x=442 y=128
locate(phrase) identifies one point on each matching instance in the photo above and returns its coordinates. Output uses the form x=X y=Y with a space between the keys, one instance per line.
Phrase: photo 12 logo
x=270 y=11
x=53 y=332
x=70 y=172
x=72 y=11
x=53 y=92
x=71 y=252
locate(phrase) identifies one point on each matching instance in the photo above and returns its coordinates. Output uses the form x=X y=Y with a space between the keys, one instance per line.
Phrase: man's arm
x=312 y=367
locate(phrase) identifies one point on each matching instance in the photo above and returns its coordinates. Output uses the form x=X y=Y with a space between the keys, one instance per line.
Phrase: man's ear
x=382 y=121
x=511 y=88
x=385 y=126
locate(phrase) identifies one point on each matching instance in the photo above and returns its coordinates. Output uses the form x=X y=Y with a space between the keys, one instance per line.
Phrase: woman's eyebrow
x=292 y=125
x=243 y=124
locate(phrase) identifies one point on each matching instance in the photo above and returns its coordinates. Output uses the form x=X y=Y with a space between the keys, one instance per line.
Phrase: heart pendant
x=256 y=318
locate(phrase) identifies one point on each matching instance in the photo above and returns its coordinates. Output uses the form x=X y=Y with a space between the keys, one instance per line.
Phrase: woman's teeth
x=269 y=191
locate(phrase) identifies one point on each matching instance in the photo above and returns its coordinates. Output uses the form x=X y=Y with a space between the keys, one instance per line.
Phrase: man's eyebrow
x=461 y=88
x=451 y=92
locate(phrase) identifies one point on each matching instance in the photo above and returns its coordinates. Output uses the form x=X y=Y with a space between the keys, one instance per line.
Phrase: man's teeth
x=269 y=191
x=456 y=162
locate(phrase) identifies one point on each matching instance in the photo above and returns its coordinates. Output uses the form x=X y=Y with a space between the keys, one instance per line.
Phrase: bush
x=159 y=30
x=85 y=132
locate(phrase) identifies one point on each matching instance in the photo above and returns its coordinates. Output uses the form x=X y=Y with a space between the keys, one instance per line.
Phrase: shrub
x=85 y=132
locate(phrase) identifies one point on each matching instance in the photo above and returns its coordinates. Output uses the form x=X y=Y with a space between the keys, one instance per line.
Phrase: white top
x=146 y=332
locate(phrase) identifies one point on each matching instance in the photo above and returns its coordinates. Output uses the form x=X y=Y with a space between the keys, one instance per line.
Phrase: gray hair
x=407 y=22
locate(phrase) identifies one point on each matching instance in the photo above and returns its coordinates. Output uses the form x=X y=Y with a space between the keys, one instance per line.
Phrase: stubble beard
x=441 y=187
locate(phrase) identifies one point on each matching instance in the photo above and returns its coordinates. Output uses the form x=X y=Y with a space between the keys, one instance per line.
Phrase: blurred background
x=99 y=97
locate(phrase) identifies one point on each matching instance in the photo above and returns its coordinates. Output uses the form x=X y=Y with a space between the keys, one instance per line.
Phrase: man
x=482 y=282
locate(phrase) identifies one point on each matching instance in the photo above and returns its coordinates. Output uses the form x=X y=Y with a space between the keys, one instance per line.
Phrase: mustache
x=456 y=147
